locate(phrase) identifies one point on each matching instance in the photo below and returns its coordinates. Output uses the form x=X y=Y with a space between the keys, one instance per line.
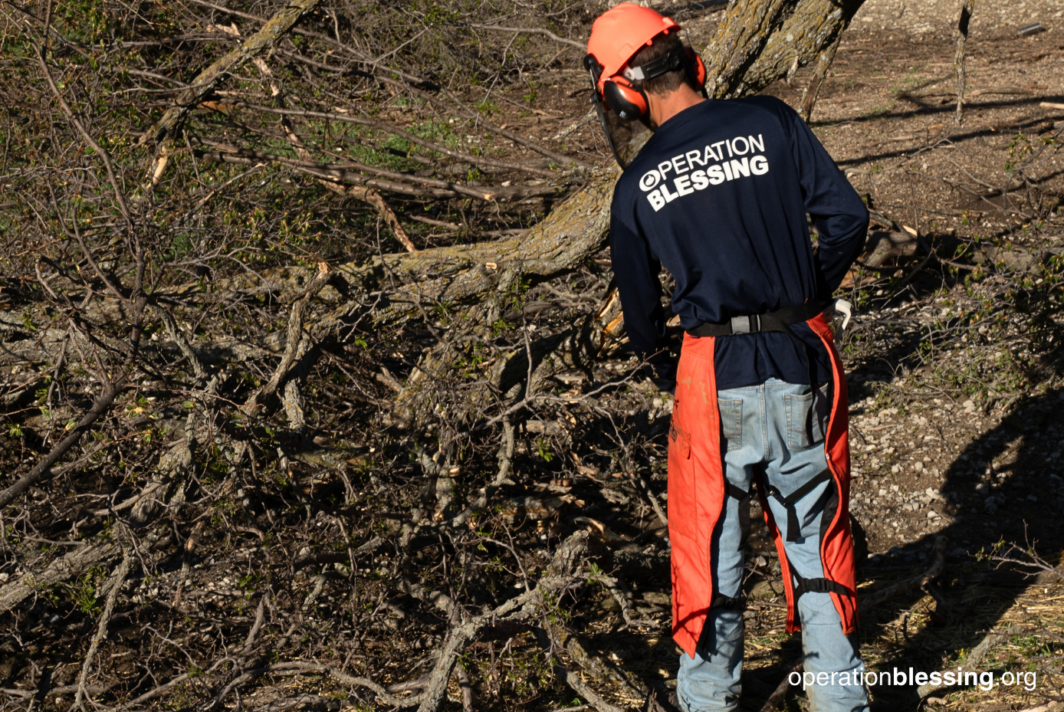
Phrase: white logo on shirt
x=722 y=169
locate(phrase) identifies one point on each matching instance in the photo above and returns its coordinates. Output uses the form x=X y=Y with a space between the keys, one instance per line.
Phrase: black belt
x=773 y=321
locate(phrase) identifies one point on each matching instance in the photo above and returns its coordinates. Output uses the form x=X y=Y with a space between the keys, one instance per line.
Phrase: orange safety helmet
x=615 y=38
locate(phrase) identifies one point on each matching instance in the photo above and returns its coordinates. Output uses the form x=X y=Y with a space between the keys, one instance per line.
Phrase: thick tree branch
x=208 y=79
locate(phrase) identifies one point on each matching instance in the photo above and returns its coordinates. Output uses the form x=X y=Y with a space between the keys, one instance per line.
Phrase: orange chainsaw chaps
x=697 y=492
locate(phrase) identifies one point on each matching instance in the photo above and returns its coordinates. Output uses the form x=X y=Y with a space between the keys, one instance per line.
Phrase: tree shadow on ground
x=1003 y=487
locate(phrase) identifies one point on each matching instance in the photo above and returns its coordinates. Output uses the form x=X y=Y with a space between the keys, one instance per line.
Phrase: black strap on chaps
x=794 y=527
x=735 y=603
x=802 y=585
x=816 y=585
x=727 y=603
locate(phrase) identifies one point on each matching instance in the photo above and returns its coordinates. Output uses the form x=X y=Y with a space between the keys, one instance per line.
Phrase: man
x=719 y=196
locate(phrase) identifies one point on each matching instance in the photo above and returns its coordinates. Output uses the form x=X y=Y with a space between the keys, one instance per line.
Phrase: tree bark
x=740 y=37
x=61 y=569
x=43 y=468
x=809 y=28
x=816 y=82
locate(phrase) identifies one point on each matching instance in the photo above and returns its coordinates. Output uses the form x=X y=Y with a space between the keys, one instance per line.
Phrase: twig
x=466 y=687
x=182 y=343
x=360 y=174
x=295 y=339
x=644 y=490
x=251 y=171
x=104 y=155
x=318 y=668
x=260 y=617
x=43 y=468
x=614 y=587
x=1036 y=561
x=410 y=83
x=372 y=197
x=101 y=629
x=533 y=30
x=202 y=85
x=505 y=458
x=560 y=638
x=564 y=133
x=365 y=194
x=776 y=698
x=559 y=575
x=483 y=161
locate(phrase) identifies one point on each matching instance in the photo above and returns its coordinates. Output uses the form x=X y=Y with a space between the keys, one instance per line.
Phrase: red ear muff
x=625 y=98
x=698 y=68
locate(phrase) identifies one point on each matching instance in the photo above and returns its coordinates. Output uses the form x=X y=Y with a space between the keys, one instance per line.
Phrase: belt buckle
x=745 y=324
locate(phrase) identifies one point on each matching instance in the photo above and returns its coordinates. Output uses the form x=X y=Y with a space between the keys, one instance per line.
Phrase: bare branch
x=208 y=79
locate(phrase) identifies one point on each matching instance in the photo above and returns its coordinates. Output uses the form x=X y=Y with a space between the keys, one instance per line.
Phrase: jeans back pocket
x=806 y=416
x=731 y=423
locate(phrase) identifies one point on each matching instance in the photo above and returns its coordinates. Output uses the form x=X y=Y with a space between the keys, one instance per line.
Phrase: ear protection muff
x=625 y=98
x=696 y=69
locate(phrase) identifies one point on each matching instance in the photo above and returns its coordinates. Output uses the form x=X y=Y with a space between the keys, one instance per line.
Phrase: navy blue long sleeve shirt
x=719 y=196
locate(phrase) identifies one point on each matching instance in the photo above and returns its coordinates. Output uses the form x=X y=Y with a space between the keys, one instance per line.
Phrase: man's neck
x=664 y=107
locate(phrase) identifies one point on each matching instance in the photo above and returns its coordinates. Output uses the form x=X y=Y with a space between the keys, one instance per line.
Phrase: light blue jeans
x=776 y=428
